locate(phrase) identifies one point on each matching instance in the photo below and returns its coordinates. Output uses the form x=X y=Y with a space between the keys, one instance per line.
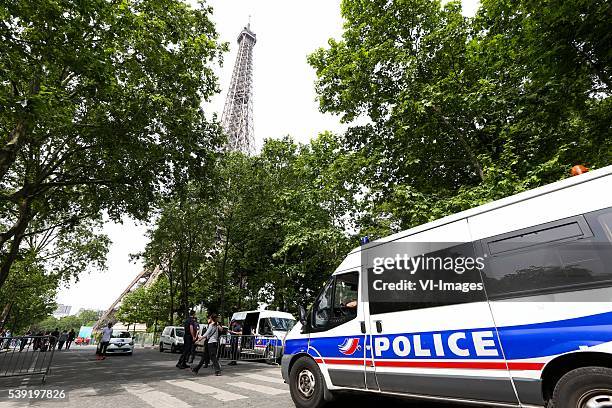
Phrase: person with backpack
x=211 y=338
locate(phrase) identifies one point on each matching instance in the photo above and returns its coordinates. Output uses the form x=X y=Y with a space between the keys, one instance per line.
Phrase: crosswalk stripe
x=275 y=372
x=216 y=393
x=12 y=404
x=259 y=388
x=153 y=397
x=82 y=392
x=274 y=380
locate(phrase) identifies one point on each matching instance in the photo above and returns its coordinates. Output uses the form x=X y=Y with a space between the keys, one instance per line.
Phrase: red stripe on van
x=475 y=365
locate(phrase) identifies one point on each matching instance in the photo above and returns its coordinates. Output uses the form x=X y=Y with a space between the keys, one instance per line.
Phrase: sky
x=284 y=104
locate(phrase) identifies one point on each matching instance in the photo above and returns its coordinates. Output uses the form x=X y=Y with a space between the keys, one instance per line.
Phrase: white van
x=172 y=339
x=269 y=328
x=538 y=331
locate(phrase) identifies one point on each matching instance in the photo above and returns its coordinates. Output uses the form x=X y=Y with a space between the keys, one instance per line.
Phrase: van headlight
x=132 y=343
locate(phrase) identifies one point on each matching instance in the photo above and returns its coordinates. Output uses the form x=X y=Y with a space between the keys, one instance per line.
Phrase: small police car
x=535 y=329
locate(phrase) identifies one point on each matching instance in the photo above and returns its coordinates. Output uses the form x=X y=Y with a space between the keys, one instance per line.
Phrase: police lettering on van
x=514 y=308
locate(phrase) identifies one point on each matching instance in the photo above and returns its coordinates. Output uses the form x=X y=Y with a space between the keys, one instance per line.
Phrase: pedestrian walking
x=8 y=335
x=193 y=343
x=107 y=333
x=212 y=340
x=235 y=331
x=54 y=336
x=71 y=337
x=25 y=339
x=189 y=337
x=63 y=338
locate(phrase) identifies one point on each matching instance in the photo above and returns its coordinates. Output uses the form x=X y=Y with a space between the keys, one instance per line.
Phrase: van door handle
x=363 y=328
x=379 y=326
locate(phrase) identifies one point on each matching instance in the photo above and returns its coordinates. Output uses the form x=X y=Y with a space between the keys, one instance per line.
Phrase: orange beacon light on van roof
x=578 y=170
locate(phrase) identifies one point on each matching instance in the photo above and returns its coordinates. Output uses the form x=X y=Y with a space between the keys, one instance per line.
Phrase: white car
x=121 y=342
x=172 y=338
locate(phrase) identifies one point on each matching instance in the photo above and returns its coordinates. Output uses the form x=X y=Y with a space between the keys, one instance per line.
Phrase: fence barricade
x=146 y=339
x=248 y=348
x=26 y=356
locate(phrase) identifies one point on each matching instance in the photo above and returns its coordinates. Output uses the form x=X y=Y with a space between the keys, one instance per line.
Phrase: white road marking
x=216 y=393
x=13 y=404
x=258 y=388
x=259 y=377
x=82 y=392
x=153 y=397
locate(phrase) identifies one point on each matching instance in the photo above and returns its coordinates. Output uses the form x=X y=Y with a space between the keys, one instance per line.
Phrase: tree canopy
x=100 y=117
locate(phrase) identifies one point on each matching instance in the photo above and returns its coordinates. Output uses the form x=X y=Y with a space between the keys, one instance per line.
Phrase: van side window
x=321 y=311
x=549 y=258
x=337 y=303
x=432 y=270
x=265 y=328
x=345 y=298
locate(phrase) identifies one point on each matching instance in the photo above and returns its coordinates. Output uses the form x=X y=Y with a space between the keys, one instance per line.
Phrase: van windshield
x=282 y=324
x=180 y=332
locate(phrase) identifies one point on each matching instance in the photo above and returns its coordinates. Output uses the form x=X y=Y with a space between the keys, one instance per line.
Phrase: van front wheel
x=587 y=387
x=306 y=384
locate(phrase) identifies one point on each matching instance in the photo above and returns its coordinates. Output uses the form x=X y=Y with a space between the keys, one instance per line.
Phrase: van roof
x=350 y=260
x=262 y=313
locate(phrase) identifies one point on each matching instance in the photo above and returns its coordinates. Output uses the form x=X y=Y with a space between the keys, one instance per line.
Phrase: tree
x=100 y=110
x=455 y=112
x=29 y=294
x=83 y=318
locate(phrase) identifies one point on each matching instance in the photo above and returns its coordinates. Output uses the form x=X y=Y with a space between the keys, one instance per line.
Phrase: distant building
x=62 y=311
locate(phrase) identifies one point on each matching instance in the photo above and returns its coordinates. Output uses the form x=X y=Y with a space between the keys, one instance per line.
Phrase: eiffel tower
x=237 y=117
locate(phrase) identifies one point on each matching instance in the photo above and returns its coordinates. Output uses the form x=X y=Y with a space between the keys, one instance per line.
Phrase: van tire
x=172 y=348
x=161 y=347
x=576 y=388
x=307 y=384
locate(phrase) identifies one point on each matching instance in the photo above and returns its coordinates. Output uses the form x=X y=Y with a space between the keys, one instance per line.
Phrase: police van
x=268 y=329
x=538 y=334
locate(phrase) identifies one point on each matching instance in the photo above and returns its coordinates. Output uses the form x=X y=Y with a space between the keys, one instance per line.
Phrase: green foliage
x=30 y=293
x=83 y=318
x=454 y=111
x=99 y=112
x=150 y=305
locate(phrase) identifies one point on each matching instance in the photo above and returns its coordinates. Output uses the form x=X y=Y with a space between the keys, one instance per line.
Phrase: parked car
x=121 y=342
x=171 y=338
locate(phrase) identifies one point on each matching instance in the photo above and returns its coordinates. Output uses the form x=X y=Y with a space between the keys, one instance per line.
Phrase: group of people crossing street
x=209 y=339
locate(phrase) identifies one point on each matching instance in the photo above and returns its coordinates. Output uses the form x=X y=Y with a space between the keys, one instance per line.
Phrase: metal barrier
x=146 y=339
x=248 y=348
x=26 y=356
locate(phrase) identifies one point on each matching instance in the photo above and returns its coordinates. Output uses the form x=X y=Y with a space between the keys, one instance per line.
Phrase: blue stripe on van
x=519 y=342
x=556 y=337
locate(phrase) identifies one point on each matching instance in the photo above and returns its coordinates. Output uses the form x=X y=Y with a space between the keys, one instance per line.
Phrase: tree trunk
x=170 y=275
x=466 y=146
x=19 y=229
x=5 y=314
x=223 y=266
x=8 y=152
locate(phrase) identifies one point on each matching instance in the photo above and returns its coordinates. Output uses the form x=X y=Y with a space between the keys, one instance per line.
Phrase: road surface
x=149 y=379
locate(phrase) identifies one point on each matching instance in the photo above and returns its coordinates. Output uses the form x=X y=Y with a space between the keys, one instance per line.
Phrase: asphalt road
x=149 y=378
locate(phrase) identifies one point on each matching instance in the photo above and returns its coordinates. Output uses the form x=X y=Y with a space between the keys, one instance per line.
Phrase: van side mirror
x=302 y=311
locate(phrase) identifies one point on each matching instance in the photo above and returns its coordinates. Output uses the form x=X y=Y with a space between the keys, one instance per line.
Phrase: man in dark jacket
x=191 y=333
x=71 y=337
